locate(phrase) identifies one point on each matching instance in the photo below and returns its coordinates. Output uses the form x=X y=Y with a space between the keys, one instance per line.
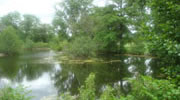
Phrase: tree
x=162 y=30
x=81 y=46
x=10 y=44
x=12 y=19
x=110 y=29
x=71 y=13
x=29 y=23
x=42 y=33
x=60 y=26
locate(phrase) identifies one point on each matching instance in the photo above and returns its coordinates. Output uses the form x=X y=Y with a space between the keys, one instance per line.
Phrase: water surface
x=45 y=76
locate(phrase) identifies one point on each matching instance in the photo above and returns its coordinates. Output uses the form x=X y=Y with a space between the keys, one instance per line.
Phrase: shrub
x=66 y=96
x=87 y=92
x=28 y=44
x=18 y=93
x=40 y=45
x=137 y=46
x=147 y=88
x=58 y=45
x=143 y=88
x=108 y=94
x=172 y=74
x=134 y=48
x=81 y=47
x=10 y=44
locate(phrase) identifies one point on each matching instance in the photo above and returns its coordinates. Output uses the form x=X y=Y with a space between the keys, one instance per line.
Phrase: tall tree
x=42 y=33
x=12 y=19
x=70 y=13
x=110 y=28
x=29 y=23
x=60 y=26
x=163 y=29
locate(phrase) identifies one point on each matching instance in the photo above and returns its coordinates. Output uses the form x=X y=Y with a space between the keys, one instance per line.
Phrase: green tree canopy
x=10 y=44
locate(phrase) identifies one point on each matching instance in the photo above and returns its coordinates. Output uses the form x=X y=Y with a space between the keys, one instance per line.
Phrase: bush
x=87 y=92
x=66 y=96
x=40 y=45
x=172 y=74
x=133 y=48
x=58 y=45
x=18 y=93
x=108 y=94
x=81 y=47
x=143 y=88
x=10 y=44
x=28 y=44
x=136 y=46
x=147 y=88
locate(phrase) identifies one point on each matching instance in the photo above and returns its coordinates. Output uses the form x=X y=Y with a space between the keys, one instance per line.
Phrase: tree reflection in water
x=69 y=77
x=72 y=76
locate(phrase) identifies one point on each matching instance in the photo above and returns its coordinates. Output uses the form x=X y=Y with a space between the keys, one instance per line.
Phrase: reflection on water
x=42 y=74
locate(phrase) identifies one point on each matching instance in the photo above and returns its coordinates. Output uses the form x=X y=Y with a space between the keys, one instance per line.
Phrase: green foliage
x=12 y=19
x=108 y=94
x=67 y=19
x=81 y=47
x=42 y=33
x=87 y=92
x=40 y=45
x=58 y=44
x=19 y=93
x=147 y=88
x=110 y=29
x=162 y=28
x=137 y=46
x=28 y=25
x=164 y=47
x=66 y=96
x=107 y=26
x=172 y=74
x=143 y=88
x=28 y=44
x=29 y=30
x=10 y=44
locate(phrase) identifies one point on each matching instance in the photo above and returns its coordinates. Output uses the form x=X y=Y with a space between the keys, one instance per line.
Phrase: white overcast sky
x=43 y=9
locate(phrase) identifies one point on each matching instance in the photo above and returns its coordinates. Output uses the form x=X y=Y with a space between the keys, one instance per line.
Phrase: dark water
x=45 y=76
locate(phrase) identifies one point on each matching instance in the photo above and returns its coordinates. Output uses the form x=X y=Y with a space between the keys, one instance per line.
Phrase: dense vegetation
x=22 y=32
x=125 y=26
x=143 y=88
x=19 y=93
x=81 y=29
x=146 y=27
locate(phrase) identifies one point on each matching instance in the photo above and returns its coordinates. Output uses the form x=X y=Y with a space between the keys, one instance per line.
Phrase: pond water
x=46 y=76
